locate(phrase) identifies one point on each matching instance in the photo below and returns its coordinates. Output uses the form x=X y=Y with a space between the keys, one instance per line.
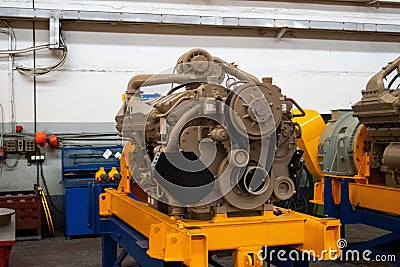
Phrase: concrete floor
x=59 y=252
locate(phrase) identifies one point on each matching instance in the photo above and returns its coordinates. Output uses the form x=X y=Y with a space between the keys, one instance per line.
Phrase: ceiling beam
x=197 y=20
x=375 y=3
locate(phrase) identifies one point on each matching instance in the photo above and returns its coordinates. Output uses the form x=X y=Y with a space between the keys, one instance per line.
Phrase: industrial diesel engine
x=220 y=141
x=379 y=111
x=365 y=141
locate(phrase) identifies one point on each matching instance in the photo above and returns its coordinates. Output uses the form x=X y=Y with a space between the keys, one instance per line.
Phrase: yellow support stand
x=189 y=241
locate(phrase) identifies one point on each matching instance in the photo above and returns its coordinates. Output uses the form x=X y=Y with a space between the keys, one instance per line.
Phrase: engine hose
x=393 y=80
x=175 y=133
x=143 y=80
x=234 y=71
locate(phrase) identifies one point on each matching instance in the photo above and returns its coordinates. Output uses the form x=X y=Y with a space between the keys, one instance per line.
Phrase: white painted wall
x=319 y=74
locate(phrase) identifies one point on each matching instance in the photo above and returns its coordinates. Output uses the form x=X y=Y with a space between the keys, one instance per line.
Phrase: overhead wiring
x=12 y=44
x=22 y=51
x=44 y=70
x=11 y=32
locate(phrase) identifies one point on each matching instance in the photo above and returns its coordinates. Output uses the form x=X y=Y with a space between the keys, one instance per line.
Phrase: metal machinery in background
x=357 y=158
x=201 y=168
x=81 y=191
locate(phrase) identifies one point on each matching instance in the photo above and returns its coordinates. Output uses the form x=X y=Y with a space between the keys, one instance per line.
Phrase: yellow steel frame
x=189 y=241
x=374 y=197
x=174 y=239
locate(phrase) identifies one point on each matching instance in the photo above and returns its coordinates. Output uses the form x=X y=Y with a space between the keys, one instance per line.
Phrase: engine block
x=220 y=141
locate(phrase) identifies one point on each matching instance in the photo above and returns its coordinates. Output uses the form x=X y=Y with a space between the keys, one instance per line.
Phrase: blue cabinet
x=76 y=211
x=81 y=191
